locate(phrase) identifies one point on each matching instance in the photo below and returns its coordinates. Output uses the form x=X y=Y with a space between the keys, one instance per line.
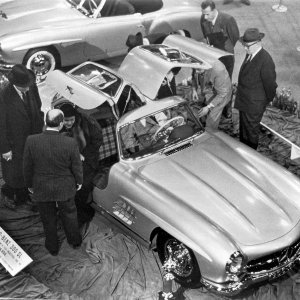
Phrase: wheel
x=41 y=62
x=186 y=270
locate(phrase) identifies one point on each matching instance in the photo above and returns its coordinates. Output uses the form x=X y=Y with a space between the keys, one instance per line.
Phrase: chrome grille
x=180 y=148
x=274 y=260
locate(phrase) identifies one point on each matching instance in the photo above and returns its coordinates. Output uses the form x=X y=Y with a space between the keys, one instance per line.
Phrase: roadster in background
x=220 y=213
x=44 y=34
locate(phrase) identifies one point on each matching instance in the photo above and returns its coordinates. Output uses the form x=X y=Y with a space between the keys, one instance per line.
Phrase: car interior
x=117 y=7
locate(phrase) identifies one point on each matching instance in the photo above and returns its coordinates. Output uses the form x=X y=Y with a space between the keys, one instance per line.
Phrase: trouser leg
x=8 y=191
x=22 y=195
x=48 y=213
x=68 y=213
x=250 y=128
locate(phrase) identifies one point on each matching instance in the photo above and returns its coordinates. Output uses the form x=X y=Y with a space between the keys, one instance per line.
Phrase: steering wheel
x=92 y=5
x=168 y=127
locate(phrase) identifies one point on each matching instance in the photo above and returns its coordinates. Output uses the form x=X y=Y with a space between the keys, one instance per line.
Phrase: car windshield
x=98 y=78
x=87 y=7
x=158 y=131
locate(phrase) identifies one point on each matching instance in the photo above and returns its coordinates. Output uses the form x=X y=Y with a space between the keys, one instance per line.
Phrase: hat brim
x=260 y=37
x=31 y=79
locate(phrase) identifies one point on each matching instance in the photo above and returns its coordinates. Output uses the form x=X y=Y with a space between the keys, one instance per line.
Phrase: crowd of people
x=49 y=165
x=53 y=163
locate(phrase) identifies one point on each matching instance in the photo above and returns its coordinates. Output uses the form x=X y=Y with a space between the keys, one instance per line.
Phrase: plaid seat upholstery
x=109 y=146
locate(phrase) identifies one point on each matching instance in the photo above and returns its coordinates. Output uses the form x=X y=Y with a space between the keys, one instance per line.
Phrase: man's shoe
x=246 y=2
x=53 y=252
x=227 y=1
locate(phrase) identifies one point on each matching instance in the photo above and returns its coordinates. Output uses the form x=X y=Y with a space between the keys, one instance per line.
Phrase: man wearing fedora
x=20 y=116
x=256 y=86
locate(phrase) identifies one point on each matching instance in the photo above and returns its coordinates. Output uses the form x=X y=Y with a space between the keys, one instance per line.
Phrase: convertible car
x=217 y=212
x=44 y=35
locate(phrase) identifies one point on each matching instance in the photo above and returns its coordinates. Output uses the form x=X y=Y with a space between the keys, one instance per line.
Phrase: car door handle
x=140 y=26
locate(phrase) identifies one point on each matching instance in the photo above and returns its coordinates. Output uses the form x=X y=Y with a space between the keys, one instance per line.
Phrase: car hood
x=230 y=188
x=21 y=15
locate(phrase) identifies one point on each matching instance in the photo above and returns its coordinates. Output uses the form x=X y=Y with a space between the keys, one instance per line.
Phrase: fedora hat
x=251 y=35
x=21 y=76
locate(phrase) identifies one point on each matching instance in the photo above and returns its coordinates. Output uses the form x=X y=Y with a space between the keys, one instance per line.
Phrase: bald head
x=54 y=118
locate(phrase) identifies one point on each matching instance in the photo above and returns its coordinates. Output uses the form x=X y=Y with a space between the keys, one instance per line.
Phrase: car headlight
x=235 y=264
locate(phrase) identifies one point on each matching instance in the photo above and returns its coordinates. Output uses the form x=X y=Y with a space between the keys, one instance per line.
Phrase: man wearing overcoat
x=256 y=86
x=20 y=116
x=53 y=173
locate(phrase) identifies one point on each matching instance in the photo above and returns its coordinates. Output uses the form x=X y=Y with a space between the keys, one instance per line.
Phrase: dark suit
x=256 y=88
x=52 y=167
x=223 y=35
x=17 y=121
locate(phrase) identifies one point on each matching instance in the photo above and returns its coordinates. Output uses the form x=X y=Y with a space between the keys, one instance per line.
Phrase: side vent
x=180 y=148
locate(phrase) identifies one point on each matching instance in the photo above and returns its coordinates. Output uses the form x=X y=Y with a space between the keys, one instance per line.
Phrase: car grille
x=274 y=260
x=180 y=148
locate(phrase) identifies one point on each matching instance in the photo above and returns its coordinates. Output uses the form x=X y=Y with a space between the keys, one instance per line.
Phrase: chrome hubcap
x=41 y=64
x=178 y=259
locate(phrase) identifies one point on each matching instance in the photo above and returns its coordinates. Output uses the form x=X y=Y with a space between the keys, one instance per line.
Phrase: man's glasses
x=247 y=46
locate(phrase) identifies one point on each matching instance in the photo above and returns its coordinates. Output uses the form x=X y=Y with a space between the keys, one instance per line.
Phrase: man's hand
x=7 y=156
x=82 y=158
x=203 y=111
x=78 y=187
x=195 y=95
x=30 y=190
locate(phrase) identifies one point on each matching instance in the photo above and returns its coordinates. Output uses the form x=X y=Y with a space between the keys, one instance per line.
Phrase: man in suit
x=20 y=116
x=217 y=92
x=221 y=31
x=53 y=173
x=256 y=86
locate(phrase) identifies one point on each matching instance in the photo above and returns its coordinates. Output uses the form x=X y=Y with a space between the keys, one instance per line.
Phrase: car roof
x=150 y=108
x=74 y=89
x=147 y=66
x=198 y=49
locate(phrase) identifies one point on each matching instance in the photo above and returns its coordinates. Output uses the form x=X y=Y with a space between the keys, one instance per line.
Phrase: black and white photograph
x=150 y=149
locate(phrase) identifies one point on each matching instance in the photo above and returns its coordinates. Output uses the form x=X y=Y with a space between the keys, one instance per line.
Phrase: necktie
x=246 y=60
x=26 y=102
x=24 y=97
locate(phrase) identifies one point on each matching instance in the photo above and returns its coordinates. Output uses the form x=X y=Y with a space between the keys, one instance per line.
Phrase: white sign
x=12 y=256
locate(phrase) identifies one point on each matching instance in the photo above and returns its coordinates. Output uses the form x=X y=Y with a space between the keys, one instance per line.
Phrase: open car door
x=87 y=86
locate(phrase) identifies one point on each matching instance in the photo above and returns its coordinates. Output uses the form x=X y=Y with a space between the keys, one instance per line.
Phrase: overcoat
x=256 y=83
x=15 y=126
x=52 y=166
x=224 y=34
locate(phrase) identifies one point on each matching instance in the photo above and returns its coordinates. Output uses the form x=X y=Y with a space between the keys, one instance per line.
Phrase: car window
x=98 y=78
x=128 y=100
x=157 y=131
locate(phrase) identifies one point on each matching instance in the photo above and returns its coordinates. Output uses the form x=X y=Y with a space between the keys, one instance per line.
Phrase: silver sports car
x=47 y=34
x=221 y=214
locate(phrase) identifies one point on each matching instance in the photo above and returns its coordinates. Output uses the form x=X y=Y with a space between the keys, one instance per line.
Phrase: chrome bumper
x=5 y=67
x=235 y=287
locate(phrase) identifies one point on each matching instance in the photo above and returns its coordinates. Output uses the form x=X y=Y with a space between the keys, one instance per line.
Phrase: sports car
x=218 y=213
x=44 y=35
